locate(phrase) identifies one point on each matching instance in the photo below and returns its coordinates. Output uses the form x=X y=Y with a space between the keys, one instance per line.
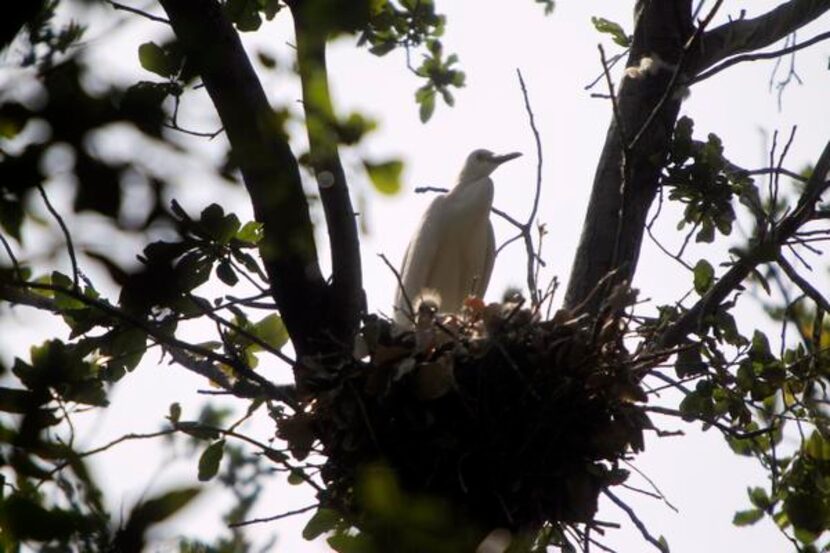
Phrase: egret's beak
x=506 y=157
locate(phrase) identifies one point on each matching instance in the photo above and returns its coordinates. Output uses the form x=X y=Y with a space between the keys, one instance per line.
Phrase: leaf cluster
x=410 y=24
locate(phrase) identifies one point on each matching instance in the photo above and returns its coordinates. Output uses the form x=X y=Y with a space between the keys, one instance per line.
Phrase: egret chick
x=451 y=254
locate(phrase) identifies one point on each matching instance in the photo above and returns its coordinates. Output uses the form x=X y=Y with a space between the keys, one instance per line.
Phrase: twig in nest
x=398 y=277
x=526 y=228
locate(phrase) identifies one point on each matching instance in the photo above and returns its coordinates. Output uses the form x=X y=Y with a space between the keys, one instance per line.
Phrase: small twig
x=636 y=520
x=648 y=494
x=69 y=246
x=15 y=264
x=151 y=17
x=526 y=230
x=612 y=95
x=611 y=63
x=398 y=277
x=651 y=483
x=422 y=189
x=805 y=286
x=209 y=135
x=242 y=332
x=275 y=517
x=127 y=437
x=731 y=432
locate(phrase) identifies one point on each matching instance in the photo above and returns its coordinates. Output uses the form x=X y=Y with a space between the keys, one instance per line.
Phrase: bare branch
x=275 y=517
x=70 y=248
x=526 y=229
x=761 y=56
x=406 y=298
x=12 y=257
x=805 y=286
x=636 y=520
x=746 y=35
x=142 y=13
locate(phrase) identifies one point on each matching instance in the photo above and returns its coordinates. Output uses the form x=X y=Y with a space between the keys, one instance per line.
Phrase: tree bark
x=347 y=296
x=268 y=167
x=628 y=175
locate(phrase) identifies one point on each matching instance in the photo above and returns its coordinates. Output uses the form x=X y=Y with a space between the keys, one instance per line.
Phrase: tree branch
x=348 y=297
x=692 y=320
x=268 y=166
x=760 y=56
x=614 y=226
x=746 y=35
x=193 y=357
x=805 y=286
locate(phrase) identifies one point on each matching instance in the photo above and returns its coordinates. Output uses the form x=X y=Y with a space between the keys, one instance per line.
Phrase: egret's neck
x=476 y=193
x=472 y=173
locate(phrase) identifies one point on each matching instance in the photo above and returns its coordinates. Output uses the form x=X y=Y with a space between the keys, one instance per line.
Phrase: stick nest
x=516 y=422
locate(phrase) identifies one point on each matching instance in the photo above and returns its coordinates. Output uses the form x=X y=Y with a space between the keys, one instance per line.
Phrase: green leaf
x=760 y=347
x=817 y=447
x=351 y=543
x=386 y=176
x=156 y=60
x=689 y=362
x=210 y=459
x=22 y=518
x=192 y=270
x=324 y=520
x=704 y=276
x=807 y=512
x=219 y=226
x=250 y=233
x=611 y=28
x=747 y=518
x=759 y=498
x=427 y=102
x=383 y=48
x=226 y=273
x=295 y=477
x=161 y=507
x=125 y=349
x=197 y=430
x=272 y=331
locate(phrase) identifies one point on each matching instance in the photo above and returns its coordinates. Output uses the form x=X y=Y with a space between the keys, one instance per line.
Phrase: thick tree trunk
x=628 y=172
x=268 y=167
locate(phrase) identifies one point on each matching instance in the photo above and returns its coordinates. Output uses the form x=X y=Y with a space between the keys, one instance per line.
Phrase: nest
x=516 y=422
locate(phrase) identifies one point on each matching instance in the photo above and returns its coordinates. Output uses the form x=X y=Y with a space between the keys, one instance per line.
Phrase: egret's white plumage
x=451 y=254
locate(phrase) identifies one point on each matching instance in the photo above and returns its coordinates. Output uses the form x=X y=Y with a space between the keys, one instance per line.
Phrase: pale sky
x=558 y=56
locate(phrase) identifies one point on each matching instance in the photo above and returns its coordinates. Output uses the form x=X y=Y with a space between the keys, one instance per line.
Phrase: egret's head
x=481 y=163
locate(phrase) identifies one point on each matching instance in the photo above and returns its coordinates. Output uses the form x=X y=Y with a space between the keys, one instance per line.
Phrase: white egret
x=451 y=254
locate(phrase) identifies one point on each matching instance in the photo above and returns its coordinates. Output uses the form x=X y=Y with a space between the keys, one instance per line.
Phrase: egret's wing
x=420 y=255
x=489 y=259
